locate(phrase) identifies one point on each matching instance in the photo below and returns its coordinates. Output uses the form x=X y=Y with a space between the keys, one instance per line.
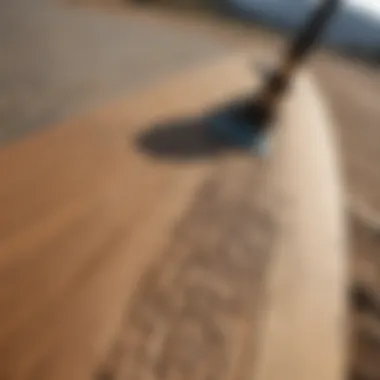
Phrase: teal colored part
x=235 y=130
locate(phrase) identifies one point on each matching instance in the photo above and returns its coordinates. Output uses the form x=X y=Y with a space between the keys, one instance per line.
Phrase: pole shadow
x=190 y=138
x=181 y=139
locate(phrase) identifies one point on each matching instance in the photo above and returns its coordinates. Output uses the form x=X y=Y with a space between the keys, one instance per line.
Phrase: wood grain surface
x=181 y=260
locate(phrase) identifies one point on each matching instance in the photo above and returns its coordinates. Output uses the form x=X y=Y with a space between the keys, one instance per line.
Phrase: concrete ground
x=59 y=61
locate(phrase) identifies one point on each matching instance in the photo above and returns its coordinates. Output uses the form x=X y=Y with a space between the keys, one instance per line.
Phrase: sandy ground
x=81 y=58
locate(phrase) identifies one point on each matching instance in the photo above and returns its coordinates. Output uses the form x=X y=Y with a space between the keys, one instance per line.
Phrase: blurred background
x=60 y=58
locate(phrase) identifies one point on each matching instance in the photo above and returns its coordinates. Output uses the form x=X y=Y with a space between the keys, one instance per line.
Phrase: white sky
x=372 y=6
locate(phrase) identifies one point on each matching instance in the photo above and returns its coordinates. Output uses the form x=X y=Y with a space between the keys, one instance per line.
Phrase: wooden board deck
x=178 y=260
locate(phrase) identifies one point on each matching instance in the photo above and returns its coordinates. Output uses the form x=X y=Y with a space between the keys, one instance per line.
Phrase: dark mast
x=261 y=110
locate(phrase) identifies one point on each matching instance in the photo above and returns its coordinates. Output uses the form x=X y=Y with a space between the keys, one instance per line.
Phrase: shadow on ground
x=226 y=128
x=184 y=139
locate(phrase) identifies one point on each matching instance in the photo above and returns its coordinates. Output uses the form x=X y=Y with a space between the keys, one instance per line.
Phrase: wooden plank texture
x=119 y=265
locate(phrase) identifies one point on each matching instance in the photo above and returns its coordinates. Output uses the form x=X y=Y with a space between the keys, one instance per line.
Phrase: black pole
x=312 y=30
x=261 y=110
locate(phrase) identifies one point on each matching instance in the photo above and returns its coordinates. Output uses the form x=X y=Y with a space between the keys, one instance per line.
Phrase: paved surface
x=57 y=61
